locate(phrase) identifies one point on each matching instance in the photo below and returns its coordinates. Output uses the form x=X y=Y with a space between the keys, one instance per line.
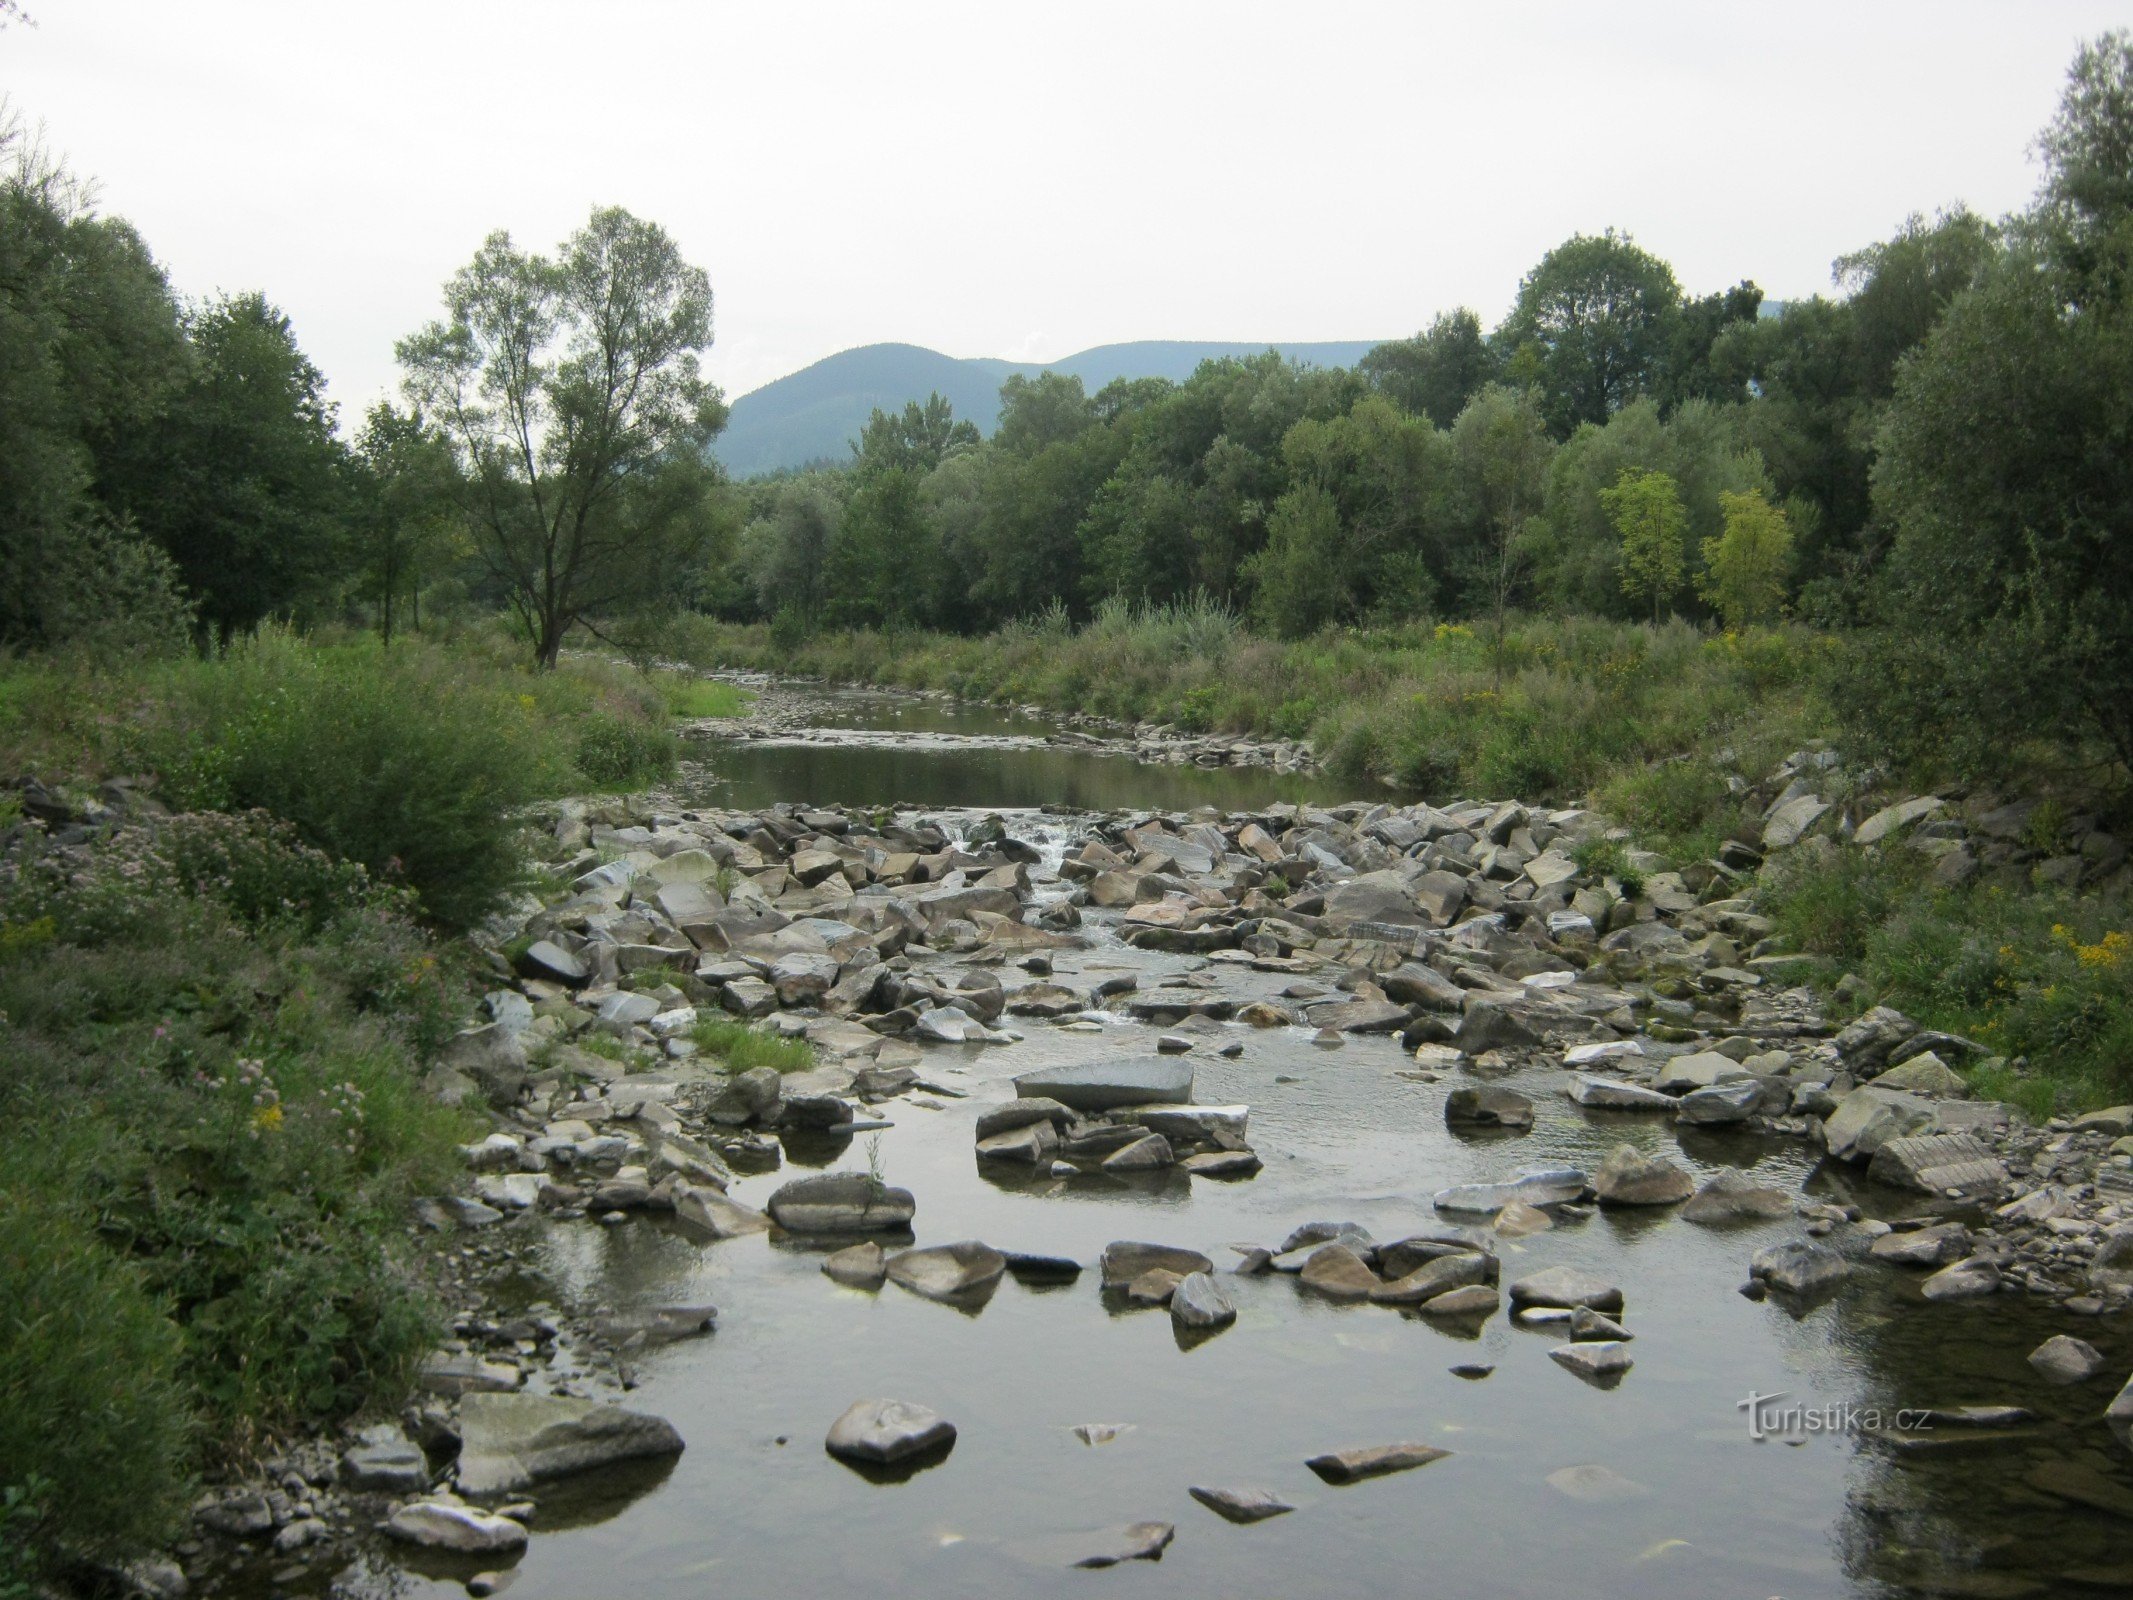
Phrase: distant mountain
x=816 y=413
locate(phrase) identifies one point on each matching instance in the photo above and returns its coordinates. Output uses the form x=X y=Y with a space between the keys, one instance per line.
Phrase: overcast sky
x=1024 y=179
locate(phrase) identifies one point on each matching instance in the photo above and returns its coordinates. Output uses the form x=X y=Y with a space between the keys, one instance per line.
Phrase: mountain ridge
x=814 y=414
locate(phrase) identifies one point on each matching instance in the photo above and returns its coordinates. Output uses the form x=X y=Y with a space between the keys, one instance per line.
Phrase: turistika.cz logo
x=1770 y=1417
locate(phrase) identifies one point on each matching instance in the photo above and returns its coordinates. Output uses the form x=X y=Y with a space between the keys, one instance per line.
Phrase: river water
x=1699 y=1509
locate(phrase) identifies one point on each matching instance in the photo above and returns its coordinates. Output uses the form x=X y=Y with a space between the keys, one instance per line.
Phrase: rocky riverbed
x=1075 y=996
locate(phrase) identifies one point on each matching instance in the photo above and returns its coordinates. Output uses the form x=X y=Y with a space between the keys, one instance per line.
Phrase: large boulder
x=1105 y=1085
x=508 y=1441
x=1565 y=1288
x=842 y=1202
x=1732 y=1196
x=1868 y=1118
x=881 y=1433
x=1380 y=897
x=437 y=1525
x=494 y=1057
x=1197 y=1305
x=1936 y=1163
x=1799 y=1267
x=1492 y=1025
x=1630 y=1178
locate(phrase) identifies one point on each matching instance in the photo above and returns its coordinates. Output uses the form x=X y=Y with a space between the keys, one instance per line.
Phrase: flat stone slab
x=1240 y=1505
x=1596 y=1358
x=1137 y=1541
x=1373 y=1461
x=1103 y=1086
x=1798 y=1266
x=1547 y=1186
x=881 y=1433
x=437 y=1526
x=1606 y=1094
x=1733 y=1196
x=509 y=1441
x=1566 y=1288
x=1934 y=1163
x=859 y=1266
x=949 y=1272
x=1125 y=1261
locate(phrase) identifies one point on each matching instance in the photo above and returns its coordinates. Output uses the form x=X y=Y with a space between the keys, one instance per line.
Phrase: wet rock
x=841 y=1202
x=1599 y=1358
x=1360 y=1016
x=1475 y=1300
x=1158 y=1286
x=949 y=1272
x=882 y=1433
x=1925 y=1074
x=1197 y=1304
x=1433 y=1278
x=1487 y=1106
x=1630 y=1178
x=1380 y=897
x=1923 y=1247
x=1800 y=1267
x=858 y=1266
x=1221 y=1164
x=440 y=1526
x=1536 y=1186
x=1034 y=1144
x=1124 y=1261
x=1041 y=1268
x=1868 y=1118
x=1013 y=1114
x=1701 y=1070
x=1146 y=1154
x=1606 y=1094
x=511 y=1440
x=2119 y=1413
x=1373 y=1461
x=1938 y=1163
x=385 y=1458
x=1587 y=1324
x=1723 y=1104
x=467 y=1374
x=245 y=1515
x=1339 y=1273
x=710 y=1213
x=1567 y=1288
x=1137 y=1541
x=1972 y=1278
x=1489 y=1025
x=1103 y=1086
x=1240 y=1505
x=1517 y=1220
x=2064 y=1360
x=1414 y=984
x=1732 y=1196
x=2083 y=1485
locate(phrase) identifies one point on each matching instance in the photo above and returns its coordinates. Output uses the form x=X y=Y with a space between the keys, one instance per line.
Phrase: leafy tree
x=1048 y=409
x=1435 y=373
x=408 y=514
x=1900 y=287
x=1645 y=508
x=1594 y=321
x=1687 y=372
x=91 y=350
x=1301 y=578
x=1745 y=567
x=790 y=550
x=913 y=440
x=243 y=478
x=2005 y=475
x=1500 y=451
x=571 y=392
x=882 y=564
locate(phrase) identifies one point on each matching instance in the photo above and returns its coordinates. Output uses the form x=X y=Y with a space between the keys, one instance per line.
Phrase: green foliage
x=740 y=1048
x=2041 y=975
x=1594 y=321
x=1645 y=508
x=210 y=1129
x=620 y=751
x=580 y=420
x=1605 y=857
x=693 y=697
x=1745 y=567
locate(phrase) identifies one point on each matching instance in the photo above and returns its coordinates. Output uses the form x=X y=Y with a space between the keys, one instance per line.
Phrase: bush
x=617 y=751
x=94 y=1426
x=393 y=759
x=211 y=1126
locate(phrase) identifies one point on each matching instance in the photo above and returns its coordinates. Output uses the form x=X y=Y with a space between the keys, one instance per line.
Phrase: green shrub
x=618 y=751
x=94 y=1424
x=394 y=759
x=692 y=697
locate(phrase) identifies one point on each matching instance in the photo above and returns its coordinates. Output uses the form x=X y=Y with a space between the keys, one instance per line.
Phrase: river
x=1692 y=1506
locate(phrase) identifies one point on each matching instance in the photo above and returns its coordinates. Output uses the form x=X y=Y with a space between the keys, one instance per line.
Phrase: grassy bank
x=214 y=1026
x=1555 y=709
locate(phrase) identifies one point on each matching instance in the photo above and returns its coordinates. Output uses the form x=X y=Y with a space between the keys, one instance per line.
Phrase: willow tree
x=570 y=390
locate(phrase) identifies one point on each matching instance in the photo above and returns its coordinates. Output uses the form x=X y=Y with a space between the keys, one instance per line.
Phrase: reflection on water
x=1695 y=1509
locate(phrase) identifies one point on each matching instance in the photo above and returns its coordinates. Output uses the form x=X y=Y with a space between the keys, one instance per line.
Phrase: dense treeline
x=1926 y=459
